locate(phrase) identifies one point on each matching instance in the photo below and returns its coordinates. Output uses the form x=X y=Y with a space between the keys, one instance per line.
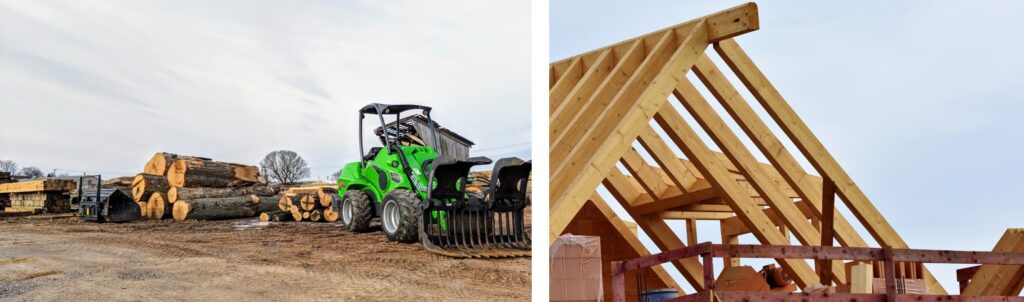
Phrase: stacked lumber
x=37 y=196
x=192 y=187
x=314 y=204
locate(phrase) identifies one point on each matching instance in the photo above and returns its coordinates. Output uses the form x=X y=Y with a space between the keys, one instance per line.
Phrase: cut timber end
x=309 y=202
x=315 y=215
x=180 y=210
x=161 y=162
x=144 y=185
x=330 y=215
x=285 y=203
x=305 y=214
x=326 y=199
x=264 y=217
x=158 y=206
x=296 y=213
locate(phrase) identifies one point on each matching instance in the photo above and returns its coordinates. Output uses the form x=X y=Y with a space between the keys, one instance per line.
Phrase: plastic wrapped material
x=576 y=269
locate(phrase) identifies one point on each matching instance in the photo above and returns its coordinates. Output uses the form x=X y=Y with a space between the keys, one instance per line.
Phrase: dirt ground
x=66 y=259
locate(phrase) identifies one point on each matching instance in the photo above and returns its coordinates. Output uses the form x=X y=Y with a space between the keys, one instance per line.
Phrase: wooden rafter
x=611 y=106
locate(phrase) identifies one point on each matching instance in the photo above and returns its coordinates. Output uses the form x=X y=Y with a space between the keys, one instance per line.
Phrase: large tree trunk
x=197 y=173
x=175 y=193
x=161 y=162
x=144 y=185
x=264 y=203
x=158 y=207
x=215 y=208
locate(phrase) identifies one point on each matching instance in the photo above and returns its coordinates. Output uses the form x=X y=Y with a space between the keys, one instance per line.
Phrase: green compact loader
x=420 y=195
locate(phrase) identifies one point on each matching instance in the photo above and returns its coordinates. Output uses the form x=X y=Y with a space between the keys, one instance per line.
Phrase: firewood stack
x=305 y=204
x=192 y=187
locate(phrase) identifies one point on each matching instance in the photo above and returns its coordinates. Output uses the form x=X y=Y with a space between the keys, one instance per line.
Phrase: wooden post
x=618 y=282
x=828 y=208
x=890 y=274
x=691 y=232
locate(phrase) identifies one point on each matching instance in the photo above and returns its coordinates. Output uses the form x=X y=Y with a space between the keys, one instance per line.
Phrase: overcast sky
x=920 y=101
x=99 y=86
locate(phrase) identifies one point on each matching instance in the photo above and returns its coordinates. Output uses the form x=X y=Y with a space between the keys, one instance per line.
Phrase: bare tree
x=31 y=172
x=8 y=166
x=284 y=166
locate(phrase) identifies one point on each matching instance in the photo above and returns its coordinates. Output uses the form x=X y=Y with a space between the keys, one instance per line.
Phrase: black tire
x=406 y=203
x=362 y=211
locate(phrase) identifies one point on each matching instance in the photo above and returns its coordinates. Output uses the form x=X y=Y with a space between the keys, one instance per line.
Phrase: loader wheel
x=400 y=216
x=356 y=211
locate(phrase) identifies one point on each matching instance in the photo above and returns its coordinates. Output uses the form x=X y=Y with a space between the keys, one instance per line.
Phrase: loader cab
x=402 y=158
x=390 y=137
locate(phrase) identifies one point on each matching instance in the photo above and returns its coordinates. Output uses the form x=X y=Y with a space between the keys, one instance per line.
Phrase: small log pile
x=192 y=187
x=314 y=204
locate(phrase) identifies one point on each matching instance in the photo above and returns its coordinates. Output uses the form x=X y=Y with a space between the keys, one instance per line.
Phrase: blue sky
x=99 y=86
x=920 y=101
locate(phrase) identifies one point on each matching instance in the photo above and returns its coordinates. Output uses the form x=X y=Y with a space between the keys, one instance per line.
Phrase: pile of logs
x=192 y=187
x=305 y=203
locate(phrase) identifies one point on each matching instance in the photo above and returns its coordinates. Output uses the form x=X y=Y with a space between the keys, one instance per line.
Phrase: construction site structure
x=618 y=115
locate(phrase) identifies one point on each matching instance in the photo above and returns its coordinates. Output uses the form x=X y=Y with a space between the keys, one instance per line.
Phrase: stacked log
x=206 y=188
x=222 y=208
x=314 y=204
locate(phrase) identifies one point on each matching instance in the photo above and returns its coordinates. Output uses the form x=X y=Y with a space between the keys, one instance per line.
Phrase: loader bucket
x=462 y=225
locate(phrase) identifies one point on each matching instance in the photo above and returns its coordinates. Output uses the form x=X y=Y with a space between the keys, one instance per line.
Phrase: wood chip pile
x=191 y=187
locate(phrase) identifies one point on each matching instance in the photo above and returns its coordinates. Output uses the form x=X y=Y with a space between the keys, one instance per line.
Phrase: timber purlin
x=612 y=106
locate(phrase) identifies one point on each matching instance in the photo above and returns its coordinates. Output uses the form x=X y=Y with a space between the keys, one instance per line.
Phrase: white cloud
x=234 y=80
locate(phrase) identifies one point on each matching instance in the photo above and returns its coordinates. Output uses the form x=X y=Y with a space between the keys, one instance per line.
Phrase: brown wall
x=590 y=221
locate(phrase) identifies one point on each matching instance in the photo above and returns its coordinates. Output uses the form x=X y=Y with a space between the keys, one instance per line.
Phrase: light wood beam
x=567 y=81
x=683 y=215
x=722 y=25
x=605 y=146
x=682 y=177
x=737 y=198
x=814 y=150
x=749 y=167
x=676 y=201
x=650 y=180
x=691 y=232
x=805 y=186
x=660 y=233
x=573 y=99
x=568 y=126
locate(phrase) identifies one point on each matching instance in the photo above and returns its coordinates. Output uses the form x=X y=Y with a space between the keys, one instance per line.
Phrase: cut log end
x=158 y=206
x=315 y=215
x=180 y=210
x=330 y=215
x=264 y=217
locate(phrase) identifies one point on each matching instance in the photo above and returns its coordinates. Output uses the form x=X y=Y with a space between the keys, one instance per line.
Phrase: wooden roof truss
x=604 y=101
